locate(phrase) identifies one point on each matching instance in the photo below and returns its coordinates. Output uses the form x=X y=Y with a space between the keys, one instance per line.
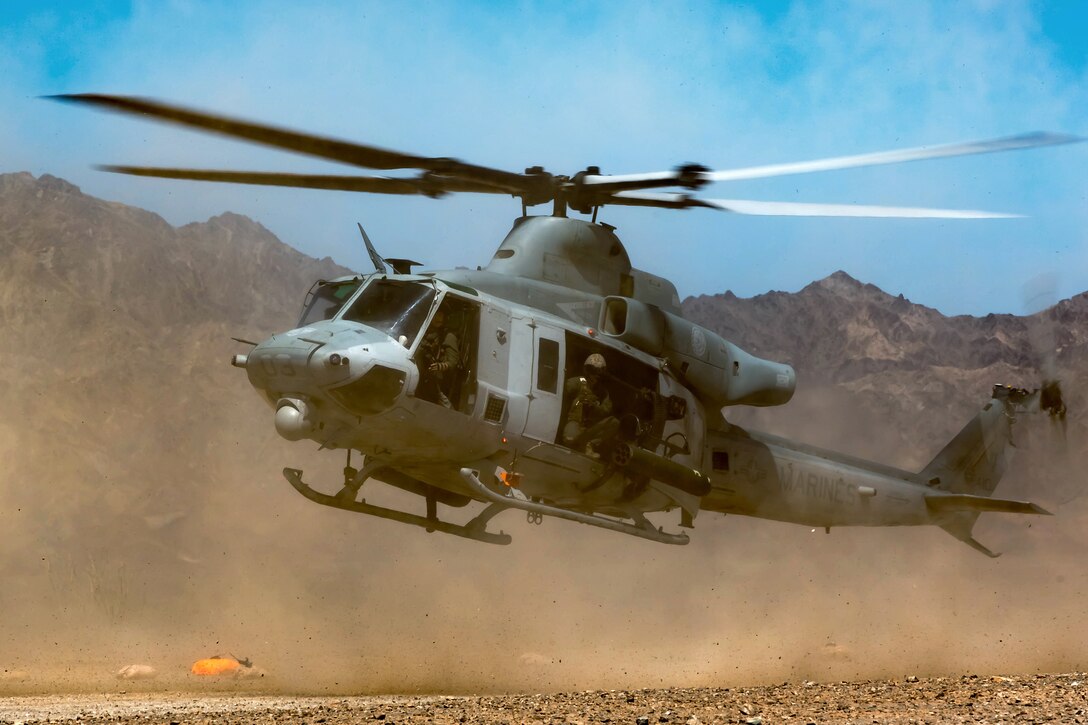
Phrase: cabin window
x=720 y=460
x=547 y=370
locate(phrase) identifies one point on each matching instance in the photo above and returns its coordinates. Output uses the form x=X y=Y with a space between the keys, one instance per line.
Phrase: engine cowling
x=720 y=372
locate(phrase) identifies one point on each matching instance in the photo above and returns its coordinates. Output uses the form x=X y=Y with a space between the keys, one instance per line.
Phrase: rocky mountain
x=840 y=330
x=889 y=359
x=120 y=406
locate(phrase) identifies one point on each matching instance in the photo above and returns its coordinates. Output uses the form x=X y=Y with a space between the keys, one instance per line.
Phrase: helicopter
x=561 y=381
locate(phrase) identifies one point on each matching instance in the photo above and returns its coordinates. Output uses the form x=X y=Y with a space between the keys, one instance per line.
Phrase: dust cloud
x=187 y=543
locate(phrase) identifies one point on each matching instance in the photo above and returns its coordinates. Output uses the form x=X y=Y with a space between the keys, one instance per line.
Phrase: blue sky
x=626 y=86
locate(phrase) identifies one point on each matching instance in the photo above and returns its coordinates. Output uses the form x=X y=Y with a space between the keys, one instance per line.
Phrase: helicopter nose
x=305 y=361
x=323 y=372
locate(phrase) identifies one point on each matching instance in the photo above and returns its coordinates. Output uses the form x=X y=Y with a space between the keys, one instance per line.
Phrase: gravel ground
x=1032 y=698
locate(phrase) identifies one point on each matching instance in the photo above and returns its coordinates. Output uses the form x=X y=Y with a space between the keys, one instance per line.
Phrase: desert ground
x=970 y=698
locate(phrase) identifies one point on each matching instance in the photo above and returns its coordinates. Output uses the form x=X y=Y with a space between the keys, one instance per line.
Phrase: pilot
x=589 y=418
x=439 y=358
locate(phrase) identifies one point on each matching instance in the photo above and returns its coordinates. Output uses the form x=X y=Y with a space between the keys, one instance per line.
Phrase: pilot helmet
x=595 y=364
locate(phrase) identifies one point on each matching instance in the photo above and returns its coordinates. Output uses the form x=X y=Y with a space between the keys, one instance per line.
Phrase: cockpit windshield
x=325 y=300
x=396 y=308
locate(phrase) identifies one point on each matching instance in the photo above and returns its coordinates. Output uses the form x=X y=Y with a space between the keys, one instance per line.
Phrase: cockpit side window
x=446 y=356
x=396 y=308
x=325 y=300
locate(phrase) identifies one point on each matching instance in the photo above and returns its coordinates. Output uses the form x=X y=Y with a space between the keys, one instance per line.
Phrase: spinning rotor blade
x=429 y=185
x=1008 y=143
x=347 y=152
x=693 y=176
x=785 y=208
x=1040 y=295
x=788 y=208
x=582 y=192
x=1054 y=471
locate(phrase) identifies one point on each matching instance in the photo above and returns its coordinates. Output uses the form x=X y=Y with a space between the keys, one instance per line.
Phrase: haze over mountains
x=140 y=488
x=911 y=370
x=122 y=417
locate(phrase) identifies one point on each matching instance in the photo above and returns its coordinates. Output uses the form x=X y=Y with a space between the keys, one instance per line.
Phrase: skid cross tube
x=474 y=529
x=642 y=528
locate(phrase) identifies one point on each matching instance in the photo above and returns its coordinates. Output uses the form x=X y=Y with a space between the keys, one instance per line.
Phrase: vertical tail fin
x=975 y=459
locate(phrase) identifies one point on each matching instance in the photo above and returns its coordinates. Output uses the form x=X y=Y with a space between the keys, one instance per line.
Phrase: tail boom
x=760 y=475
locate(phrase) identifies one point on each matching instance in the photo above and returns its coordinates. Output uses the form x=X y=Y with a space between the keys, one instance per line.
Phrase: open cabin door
x=546 y=383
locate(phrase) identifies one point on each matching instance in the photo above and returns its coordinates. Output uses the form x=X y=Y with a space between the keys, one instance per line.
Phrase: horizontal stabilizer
x=951 y=503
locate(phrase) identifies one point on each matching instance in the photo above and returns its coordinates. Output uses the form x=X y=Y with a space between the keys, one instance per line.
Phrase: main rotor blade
x=433 y=185
x=788 y=208
x=370 y=157
x=694 y=177
x=1008 y=143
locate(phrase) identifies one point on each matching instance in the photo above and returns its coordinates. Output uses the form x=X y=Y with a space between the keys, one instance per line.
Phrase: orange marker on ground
x=215 y=666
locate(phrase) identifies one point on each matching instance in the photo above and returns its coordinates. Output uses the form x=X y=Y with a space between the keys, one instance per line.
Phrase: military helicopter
x=559 y=380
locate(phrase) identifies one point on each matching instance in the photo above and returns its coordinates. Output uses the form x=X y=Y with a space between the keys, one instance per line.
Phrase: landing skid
x=474 y=529
x=642 y=527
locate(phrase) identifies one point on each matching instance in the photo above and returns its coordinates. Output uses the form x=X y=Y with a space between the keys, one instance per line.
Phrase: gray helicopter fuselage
x=523 y=325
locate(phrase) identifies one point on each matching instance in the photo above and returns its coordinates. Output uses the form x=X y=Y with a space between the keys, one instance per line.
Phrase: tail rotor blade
x=1055 y=468
x=1040 y=295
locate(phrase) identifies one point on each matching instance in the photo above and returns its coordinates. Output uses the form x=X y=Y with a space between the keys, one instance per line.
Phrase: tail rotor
x=1054 y=465
x=1040 y=297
